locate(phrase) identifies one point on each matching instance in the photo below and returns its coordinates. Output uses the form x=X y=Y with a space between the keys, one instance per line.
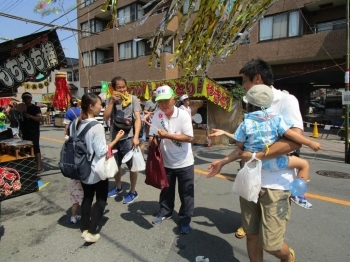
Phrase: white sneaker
x=85 y=232
x=92 y=238
x=74 y=220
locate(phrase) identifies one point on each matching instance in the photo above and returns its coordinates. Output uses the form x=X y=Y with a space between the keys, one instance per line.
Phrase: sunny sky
x=11 y=28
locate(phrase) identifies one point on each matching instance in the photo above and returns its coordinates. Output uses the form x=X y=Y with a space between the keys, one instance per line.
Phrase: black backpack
x=74 y=159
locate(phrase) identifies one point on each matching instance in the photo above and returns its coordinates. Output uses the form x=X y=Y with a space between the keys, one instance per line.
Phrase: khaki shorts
x=268 y=217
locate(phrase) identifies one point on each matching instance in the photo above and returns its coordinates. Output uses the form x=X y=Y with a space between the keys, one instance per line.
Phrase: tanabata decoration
x=217 y=30
x=42 y=8
x=5 y=101
x=62 y=94
x=112 y=6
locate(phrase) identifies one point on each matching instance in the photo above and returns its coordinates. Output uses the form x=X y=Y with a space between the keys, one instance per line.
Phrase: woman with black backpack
x=97 y=148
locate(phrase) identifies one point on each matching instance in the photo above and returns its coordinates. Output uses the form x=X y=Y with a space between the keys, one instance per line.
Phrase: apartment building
x=303 y=40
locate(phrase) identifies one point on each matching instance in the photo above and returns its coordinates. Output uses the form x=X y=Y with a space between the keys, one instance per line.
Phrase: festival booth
x=22 y=60
x=217 y=107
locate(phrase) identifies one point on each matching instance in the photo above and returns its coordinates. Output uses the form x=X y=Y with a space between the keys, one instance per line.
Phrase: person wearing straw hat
x=174 y=127
x=30 y=127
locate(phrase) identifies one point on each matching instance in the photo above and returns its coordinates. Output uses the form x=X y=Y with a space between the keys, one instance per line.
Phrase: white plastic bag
x=138 y=162
x=106 y=168
x=248 y=180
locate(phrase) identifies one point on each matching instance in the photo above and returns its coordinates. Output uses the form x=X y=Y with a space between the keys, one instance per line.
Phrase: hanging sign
x=192 y=86
x=346 y=97
x=23 y=59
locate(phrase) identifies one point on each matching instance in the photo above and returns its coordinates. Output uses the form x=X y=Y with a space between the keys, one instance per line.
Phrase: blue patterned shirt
x=259 y=128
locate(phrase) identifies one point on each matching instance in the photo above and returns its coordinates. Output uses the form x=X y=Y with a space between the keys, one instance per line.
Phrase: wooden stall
x=217 y=106
x=17 y=167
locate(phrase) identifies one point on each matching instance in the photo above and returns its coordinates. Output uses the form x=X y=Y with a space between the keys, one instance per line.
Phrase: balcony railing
x=107 y=60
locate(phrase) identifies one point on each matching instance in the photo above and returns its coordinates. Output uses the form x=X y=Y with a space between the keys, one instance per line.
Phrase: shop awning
x=73 y=87
x=49 y=56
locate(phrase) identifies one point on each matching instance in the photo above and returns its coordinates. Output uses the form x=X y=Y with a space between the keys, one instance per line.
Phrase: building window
x=330 y=26
x=280 y=26
x=92 y=26
x=76 y=75
x=132 y=49
x=94 y=57
x=130 y=13
x=84 y=3
x=69 y=76
x=186 y=5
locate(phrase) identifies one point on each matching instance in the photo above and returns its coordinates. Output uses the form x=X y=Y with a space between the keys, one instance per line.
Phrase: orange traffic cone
x=315 y=131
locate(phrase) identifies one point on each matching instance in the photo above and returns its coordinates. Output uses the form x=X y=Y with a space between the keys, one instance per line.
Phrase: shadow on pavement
x=138 y=210
x=200 y=243
x=226 y=221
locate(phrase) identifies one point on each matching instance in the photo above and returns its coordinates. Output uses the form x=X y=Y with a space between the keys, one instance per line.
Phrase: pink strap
x=110 y=152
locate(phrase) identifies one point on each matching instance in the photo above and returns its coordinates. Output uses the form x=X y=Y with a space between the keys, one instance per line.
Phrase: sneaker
x=74 y=220
x=301 y=201
x=185 y=228
x=115 y=191
x=84 y=234
x=130 y=197
x=92 y=238
x=158 y=219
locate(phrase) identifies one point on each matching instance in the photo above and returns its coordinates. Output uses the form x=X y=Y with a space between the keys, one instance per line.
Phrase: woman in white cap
x=185 y=104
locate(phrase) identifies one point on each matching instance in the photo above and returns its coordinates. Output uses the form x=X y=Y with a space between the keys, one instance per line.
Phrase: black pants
x=185 y=177
x=91 y=219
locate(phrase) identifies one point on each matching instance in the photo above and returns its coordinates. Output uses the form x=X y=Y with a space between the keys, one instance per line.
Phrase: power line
x=41 y=23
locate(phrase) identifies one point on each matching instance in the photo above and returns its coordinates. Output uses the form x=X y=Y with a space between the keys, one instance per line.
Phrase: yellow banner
x=47 y=98
x=192 y=86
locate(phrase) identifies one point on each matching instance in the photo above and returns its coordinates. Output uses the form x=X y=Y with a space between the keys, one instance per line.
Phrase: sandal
x=240 y=233
x=40 y=171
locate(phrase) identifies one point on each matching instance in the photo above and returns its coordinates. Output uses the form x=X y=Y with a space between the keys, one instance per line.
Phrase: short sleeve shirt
x=175 y=154
x=125 y=112
x=259 y=129
x=151 y=105
x=30 y=125
x=71 y=114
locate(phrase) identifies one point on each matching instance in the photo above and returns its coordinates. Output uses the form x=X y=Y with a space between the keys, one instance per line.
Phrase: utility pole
x=347 y=152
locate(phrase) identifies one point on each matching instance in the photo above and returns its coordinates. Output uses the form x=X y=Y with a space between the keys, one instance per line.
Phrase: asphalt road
x=35 y=227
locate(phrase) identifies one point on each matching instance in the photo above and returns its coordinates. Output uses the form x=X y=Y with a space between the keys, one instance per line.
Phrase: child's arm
x=302 y=140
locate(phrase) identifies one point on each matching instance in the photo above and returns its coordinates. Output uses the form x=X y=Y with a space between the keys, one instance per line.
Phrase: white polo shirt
x=288 y=106
x=175 y=154
x=187 y=109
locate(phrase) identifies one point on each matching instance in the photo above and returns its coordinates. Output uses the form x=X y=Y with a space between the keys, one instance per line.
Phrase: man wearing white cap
x=175 y=129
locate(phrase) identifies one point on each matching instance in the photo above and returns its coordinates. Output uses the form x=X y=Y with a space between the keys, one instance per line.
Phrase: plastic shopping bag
x=138 y=162
x=155 y=171
x=248 y=180
x=106 y=167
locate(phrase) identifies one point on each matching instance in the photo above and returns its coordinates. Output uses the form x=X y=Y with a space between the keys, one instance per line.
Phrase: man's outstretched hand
x=215 y=168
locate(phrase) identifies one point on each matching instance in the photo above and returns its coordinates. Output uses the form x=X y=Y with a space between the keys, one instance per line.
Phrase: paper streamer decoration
x=227 y=23
x=113 y=8
x=41 y=8
x=104 y=86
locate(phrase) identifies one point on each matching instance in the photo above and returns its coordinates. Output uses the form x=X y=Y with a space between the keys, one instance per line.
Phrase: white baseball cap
x=164 y=93
x=184 y=97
